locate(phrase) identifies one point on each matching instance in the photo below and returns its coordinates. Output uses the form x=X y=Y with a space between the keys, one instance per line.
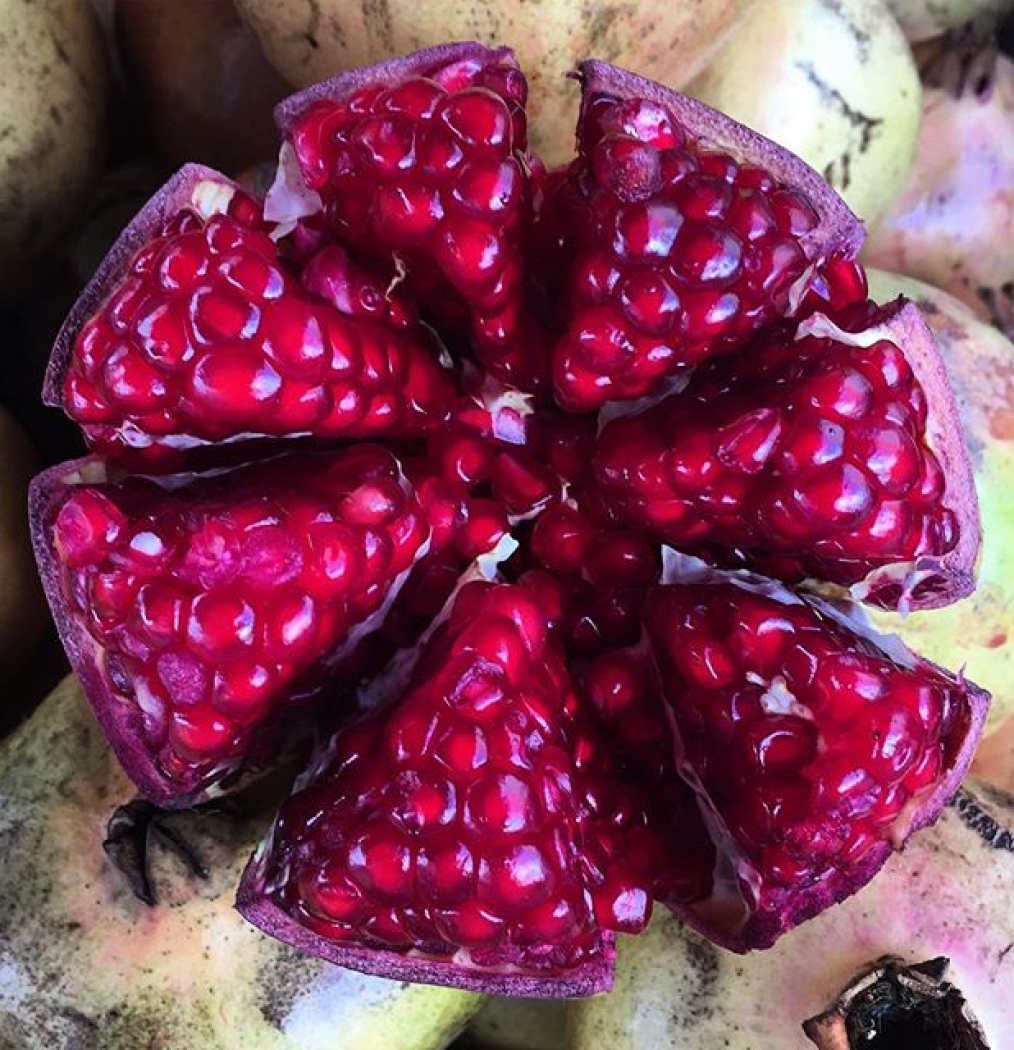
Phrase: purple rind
x=763 y=929
x=255 y=904
x=945 y=433
x=839 y=232
x=166 y=202
x=390 y=71
x=119 y=720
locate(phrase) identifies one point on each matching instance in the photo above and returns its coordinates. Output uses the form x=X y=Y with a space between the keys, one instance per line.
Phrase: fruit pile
x=536 y=503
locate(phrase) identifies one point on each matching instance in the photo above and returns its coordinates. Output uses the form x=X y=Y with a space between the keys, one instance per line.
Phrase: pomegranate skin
x=947 y=894
x=951 y=225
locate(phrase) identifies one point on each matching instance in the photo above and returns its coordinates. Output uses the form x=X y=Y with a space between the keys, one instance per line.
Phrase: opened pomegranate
x=525 y=753
x=815 y=453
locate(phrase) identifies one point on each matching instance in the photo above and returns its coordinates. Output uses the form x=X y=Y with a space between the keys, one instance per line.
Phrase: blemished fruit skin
x=53 y=101
x=948 y=894
x=972 y=633
x=309 y=40
x=834 y=83
x=925 y=19
x=84 y=965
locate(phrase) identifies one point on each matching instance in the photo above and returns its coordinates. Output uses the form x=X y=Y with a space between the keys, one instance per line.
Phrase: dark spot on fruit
x=976 y=818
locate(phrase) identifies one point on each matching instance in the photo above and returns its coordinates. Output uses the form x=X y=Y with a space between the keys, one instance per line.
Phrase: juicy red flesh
x=457 y=820
x=221 y=605
x=812 y=746
x=809 y=455
x=681 y=253
x=207 y=338
x=433 y=172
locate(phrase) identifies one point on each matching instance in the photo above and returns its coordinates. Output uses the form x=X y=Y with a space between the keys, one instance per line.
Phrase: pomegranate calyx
x=895 y=1004
x=132 y=831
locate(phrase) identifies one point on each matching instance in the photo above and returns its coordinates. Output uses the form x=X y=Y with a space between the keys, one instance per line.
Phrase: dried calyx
x=896 y=1006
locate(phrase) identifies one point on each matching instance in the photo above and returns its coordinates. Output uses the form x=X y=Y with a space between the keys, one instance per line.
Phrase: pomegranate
x=309 y=40
x=814 y=745
x=198 y=610
x=952 y=221
x=936 y=923
x=834 y=83
x=79 y=953
x=464 y=613
x=972 y=633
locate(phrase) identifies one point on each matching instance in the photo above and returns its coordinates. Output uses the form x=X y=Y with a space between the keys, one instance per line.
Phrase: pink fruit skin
x=952 y=224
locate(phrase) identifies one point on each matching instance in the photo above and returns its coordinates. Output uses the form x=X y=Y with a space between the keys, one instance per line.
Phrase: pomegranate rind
x=927 y=582
x=840 y=232
x=763 y=928
x=117 y=719
x=254 y=903
x=178 y=193
x=391 y=71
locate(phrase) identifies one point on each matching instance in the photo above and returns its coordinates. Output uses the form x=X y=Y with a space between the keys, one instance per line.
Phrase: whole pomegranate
x=834 y=83
x=951 y=224
x=384 y=466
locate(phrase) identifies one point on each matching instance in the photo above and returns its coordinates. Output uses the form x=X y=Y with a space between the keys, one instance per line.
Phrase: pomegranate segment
x=688 y=234
x=424 y=161
x=194 y=332
x=453 y=837
x=206 y=614
x=815 y=747
x=818 y=452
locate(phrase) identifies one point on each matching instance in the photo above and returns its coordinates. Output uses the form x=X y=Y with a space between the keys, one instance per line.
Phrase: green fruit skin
x=520 y=1024
x=85 y=966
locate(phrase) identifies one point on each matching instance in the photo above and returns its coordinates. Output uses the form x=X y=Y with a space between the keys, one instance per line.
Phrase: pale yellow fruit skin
x=309 y=40
x=833 y=81
x=22 y=605
x=948 y=893
x=520 y=1024
x=976 y=634
x=52 y=127
x=925 y=19
x=85 y=965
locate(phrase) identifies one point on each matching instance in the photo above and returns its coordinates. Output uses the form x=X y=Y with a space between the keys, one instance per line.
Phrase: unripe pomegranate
x=974 y=632
x=834 y=83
